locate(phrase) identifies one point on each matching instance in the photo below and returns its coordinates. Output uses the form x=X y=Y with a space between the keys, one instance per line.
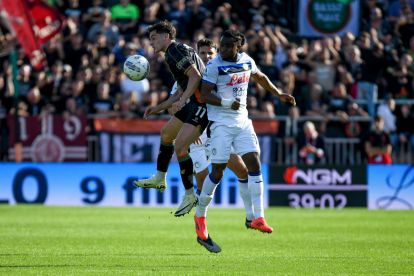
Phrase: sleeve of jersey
x=210 y=74
x=254 y=67
x=182 y=57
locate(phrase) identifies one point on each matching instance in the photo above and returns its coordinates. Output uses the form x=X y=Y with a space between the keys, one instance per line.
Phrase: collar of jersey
x=172 y=42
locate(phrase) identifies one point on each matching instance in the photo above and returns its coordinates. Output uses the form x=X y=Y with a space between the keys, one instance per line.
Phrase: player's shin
x=207 y=194
x=164 y=157
x=186 y=171
x=247 y=200
x=255 y=182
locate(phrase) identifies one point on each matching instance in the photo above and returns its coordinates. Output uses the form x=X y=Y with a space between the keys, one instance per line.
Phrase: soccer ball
x=136 y=67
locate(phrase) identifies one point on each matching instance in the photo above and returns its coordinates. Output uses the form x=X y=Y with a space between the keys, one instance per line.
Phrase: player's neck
x=168 y=45
x=231 y=59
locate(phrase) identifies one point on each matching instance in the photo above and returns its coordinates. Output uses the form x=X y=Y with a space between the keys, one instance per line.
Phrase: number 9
x=97 y=188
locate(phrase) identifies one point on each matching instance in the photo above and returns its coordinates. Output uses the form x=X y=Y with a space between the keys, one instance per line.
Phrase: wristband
x=227 y=103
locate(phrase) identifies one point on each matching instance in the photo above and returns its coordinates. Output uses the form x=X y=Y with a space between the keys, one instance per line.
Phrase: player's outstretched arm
x=264 y=81
x=164 y=105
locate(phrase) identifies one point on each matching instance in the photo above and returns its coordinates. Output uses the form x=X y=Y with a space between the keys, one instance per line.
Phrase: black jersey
x=179 y=58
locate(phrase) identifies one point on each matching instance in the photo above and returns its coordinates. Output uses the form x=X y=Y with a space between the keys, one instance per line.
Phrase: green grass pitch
x=106 y=241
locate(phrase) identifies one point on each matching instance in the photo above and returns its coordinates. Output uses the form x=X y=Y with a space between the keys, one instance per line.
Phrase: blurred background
x=349 y=63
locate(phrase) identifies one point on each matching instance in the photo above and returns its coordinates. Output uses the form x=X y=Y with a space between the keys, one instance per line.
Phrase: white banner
x=319 y=18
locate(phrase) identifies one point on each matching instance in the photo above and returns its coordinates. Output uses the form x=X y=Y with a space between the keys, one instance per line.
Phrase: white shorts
x=199 y=155
x=224 y=139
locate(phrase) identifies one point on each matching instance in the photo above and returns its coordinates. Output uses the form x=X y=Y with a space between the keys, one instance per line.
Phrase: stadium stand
x=340 y=83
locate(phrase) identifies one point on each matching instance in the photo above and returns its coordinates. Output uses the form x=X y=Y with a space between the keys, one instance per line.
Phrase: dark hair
x=163 y=27
x=235 y=35
x=378 y=118
x=206 y=42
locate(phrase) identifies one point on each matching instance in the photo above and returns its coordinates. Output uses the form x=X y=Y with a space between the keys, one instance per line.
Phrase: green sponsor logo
x=329 y=16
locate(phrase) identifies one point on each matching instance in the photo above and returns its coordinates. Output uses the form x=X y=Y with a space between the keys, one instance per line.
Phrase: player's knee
x=242 y=172
x=181 y=150
x=252 y=162
x=255 y=167
x=218 y=175
x=166 y=136
x=217 y=172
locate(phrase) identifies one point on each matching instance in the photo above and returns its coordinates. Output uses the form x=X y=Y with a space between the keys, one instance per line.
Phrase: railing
x=338 y=151
x=345 y=151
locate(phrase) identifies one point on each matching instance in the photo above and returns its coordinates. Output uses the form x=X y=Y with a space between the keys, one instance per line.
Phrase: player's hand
x=198 y=141
x=236 y=104
x=177 y=106
x=286 y=98
x=149 y=111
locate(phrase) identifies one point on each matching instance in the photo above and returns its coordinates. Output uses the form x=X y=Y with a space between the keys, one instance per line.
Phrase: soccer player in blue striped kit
x=224 y=89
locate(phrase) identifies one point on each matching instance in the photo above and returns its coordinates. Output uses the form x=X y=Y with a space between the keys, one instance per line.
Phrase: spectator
x=126 y=15
x=338 y=108
x=267 y=67
x=410 y=50
x=376 y=26
x=405 y=127
x=323 y=59
x=123 y=49
x=401 y=81
x=354 y=128
x=373 y=66
x=378 y=144
x=72 y=109
x=196 y=13
x=353 y=61
x=26 y=80
x=223 y=16
x=103 y=104
x=139 y=88
x=150 y=17
x=127 y=107
x=94 y=14
x=178 y=15
x=311 y=145
x=74 y=51
x=35 y=104
x=106 y=28
x=316 y=105
x=386 y=111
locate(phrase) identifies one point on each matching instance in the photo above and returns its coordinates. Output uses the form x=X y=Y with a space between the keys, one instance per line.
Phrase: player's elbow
x=203 y=97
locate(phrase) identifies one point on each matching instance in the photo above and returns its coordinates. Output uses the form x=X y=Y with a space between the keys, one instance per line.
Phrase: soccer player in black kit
x=190 y=114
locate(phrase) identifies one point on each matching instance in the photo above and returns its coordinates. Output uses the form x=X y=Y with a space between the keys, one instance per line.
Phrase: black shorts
x=194 y=114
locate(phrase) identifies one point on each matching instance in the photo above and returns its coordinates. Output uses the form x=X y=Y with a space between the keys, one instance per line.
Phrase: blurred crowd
x=334 y=77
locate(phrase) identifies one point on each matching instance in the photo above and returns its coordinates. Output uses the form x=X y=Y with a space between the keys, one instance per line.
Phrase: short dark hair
x=206 y=42
x=378 y=118
x=235 y=35
x=163 y=27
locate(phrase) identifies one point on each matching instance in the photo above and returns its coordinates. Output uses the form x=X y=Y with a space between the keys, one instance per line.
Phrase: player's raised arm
x=264 y=81
x=165 y=104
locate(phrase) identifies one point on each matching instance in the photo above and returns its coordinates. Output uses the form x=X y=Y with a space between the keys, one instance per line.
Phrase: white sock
x=189 y=191
x=207 y=194
x=247 y=200
x=256 y=192
x=160 y=175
